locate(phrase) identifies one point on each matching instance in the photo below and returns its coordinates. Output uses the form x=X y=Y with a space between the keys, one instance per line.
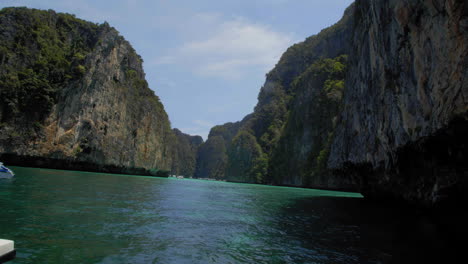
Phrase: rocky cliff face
x=300 y=157
x=185 y=153
x=377 y=101
x=212 y=155
x=403 y=128
x=393 y=124
x=274 y=144
x=73 y=90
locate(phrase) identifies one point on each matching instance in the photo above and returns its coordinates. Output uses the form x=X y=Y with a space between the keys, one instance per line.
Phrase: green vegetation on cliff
x=309 y=75
x=185 y=153
x=75 y=91
x=244 y=155
x=301 y=154
x=212 y=155
x=44 y=53
x=288 y=138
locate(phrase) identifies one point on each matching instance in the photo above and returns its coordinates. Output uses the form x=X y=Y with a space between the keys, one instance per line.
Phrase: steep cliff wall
x=74 y=90
x=185 y=153
x=393 y=123
x=404 y=126
x=252 y=154
x=301 y=155
x=212 y=155
x=279 y=103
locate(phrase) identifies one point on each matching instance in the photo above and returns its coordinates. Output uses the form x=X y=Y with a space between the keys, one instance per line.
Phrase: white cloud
x=229 y=48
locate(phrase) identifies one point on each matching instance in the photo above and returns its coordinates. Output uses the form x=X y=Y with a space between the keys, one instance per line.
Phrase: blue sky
x=205 y=59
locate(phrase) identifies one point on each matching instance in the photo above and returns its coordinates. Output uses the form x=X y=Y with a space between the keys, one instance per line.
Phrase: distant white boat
x=5 y=172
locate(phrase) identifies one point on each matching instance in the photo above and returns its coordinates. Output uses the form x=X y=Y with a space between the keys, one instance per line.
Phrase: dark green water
x=76 y=217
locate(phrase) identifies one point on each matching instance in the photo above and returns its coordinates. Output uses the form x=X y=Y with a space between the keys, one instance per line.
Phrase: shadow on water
x=355 y=230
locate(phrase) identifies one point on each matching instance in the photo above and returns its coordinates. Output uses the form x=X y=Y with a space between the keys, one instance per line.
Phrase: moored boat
x=5 y=172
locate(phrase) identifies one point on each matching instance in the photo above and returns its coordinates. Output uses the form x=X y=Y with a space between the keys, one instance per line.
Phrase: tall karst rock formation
x=403 y=131
x=376 y=103
x=75 y=91
x=278 y=142
x=185 y=152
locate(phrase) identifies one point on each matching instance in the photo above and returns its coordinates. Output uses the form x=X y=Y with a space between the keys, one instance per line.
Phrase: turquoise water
x=76 y=217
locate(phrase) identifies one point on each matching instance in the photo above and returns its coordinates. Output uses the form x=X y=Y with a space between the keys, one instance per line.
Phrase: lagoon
x=59 y=216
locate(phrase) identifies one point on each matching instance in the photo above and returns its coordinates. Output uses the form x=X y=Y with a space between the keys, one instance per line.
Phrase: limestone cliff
x=76 y=91
x=185 y=153
x=268 y=147
x=212 y=155
x=392 y=124
x=300 y=157
x=404 y=125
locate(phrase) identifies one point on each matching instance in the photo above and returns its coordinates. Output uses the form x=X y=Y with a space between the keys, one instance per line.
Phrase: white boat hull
x=7 y=250
x=6 y=175
x=5 y=172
